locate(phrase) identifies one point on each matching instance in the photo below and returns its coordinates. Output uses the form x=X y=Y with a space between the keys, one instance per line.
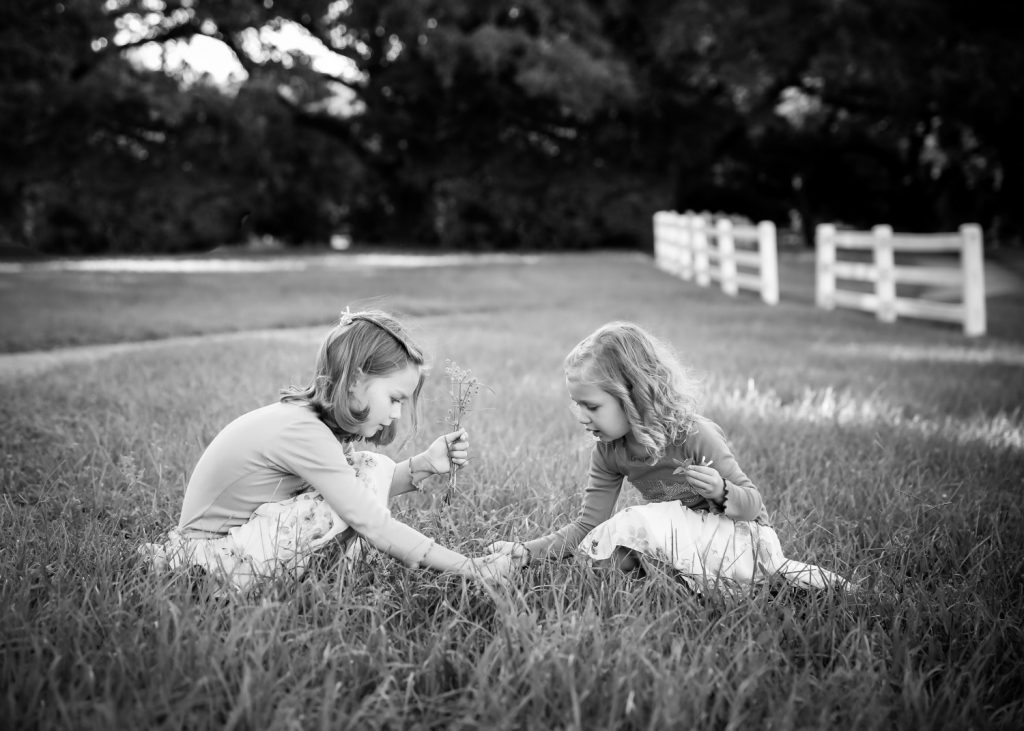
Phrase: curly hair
x=656 y=392
x=362 y=344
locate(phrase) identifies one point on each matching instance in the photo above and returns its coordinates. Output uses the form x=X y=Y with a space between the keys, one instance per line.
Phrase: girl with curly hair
x=704 y=517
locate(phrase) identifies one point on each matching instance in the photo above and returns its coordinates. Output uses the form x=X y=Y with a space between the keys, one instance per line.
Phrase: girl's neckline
x=629 y=452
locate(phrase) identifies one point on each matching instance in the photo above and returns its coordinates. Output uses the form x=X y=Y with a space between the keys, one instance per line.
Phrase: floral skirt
x=280 y=538
x=705 y=549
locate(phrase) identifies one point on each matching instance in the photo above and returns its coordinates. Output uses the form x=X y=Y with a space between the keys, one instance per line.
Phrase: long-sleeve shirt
x=274 y=453
x=610 y=463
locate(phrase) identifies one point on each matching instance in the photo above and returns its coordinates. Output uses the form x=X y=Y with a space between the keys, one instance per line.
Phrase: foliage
x=104 y=156
x=491 y=124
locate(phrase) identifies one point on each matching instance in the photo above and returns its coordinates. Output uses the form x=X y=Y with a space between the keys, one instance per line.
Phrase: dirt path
x=14 y=365
x=1000 y=279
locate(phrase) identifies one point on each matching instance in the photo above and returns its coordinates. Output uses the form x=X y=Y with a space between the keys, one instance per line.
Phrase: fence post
x=825 y=257
x=684 y=253
x=699 y=239
x=726 y=258
x=672 y=243
x=972 y=261
x=660 y=226
x=885 y=273
x=768 y=248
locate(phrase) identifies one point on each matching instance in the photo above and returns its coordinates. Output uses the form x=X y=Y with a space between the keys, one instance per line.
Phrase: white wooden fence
x=699 y=247
x=967 y=275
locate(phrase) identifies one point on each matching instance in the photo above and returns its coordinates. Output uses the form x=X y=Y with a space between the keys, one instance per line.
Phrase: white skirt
x=280 y=538
x=706 y=549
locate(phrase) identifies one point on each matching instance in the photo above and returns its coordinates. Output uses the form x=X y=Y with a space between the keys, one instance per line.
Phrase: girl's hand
x=491 y=569
x=446 y=450
x=706 y=481
x=513 y=549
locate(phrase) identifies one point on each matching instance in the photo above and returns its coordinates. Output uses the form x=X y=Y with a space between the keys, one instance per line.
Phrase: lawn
x=893 y=454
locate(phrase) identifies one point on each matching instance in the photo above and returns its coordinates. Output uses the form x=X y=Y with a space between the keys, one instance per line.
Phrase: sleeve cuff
x=740 y=504
x=418 y=474
x=415 y=558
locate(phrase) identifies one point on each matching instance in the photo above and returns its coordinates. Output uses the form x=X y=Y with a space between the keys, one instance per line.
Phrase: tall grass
x=891 y=454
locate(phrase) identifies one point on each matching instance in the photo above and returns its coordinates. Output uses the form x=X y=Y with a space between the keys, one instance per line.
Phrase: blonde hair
x=363 y=344
x=656 y=392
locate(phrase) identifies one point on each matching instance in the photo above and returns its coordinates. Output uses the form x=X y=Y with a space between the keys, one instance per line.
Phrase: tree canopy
x=486 y=124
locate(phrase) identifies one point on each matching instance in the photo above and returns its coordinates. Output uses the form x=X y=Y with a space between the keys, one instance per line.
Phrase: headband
x=348 y=318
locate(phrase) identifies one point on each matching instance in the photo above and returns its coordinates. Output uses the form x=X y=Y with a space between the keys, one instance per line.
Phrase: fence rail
x=704 y=249
x=883 y=272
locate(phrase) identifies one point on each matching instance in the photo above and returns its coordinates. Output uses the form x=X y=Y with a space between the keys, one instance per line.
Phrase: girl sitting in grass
x=705 y=518
x=283 y=481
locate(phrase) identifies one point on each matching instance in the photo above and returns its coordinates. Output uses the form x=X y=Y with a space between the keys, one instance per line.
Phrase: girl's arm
x=415 y=549
x=374 y=523
x=446 y=450
x=409 y=474
x=487 y=569
x=603 y=488
x=309 y=450
x=724 y=483
x=598 y=503
x=742 y=502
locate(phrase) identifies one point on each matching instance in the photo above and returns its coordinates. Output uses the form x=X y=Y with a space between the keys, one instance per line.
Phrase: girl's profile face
x=385 y=396
x=598 y=411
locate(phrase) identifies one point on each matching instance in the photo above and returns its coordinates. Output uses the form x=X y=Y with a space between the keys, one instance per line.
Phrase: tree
x=508 y=124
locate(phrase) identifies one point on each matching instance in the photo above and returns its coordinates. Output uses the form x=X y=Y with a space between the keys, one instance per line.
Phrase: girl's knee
x=374 y=470
x=373 y=461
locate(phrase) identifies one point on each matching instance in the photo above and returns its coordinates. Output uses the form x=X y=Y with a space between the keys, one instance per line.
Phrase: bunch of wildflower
x=463 y=388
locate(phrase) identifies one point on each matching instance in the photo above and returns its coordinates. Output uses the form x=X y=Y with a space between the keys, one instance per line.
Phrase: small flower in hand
x=706 y=481
x=684 y=464
x=463 y=388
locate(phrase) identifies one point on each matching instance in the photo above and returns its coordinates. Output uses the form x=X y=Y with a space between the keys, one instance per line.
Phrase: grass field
x=893 y=454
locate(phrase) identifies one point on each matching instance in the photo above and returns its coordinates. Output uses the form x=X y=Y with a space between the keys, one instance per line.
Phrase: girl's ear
x=357 y=381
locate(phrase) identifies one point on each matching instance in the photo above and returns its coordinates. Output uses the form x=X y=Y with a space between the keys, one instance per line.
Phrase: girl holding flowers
x=704 y=517
x=283 y=481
